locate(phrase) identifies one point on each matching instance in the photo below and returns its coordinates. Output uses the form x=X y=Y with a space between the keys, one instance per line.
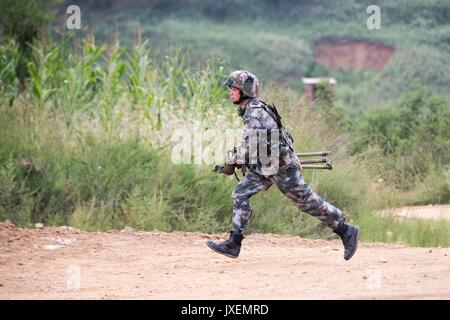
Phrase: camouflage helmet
x=245 y=81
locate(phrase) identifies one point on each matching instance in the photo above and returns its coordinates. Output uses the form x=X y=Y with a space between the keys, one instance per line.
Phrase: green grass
x=106 y=182
x=103 y=161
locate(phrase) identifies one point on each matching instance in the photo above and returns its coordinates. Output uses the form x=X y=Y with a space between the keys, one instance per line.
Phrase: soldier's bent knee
x=237 y=196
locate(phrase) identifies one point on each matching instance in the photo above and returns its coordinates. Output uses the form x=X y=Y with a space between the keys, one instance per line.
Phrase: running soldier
x=278 y=167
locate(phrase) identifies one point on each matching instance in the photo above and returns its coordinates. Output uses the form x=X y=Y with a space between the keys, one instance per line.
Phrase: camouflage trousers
x=292 y=185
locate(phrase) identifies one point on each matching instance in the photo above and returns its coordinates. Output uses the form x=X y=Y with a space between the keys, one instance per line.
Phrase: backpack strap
x=273 y=112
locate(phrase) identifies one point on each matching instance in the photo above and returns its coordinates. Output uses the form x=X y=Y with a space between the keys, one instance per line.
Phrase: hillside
x=279 y=40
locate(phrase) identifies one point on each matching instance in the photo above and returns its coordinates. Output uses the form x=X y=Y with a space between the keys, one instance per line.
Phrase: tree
x=22 y=20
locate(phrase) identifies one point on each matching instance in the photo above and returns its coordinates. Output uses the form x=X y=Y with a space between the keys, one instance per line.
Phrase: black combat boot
x=350 y=236
x=230 y=247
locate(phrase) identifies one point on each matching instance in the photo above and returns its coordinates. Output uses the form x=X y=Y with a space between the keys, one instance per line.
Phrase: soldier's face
x=235 y=95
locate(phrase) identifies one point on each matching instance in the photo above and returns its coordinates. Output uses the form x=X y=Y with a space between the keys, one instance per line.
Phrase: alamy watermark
x=73 y=20
x=73 y=273
x=213 y=146
x=374 y=278
x=374 y=20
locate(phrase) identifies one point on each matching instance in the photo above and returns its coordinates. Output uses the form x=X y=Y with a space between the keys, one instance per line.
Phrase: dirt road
x=435 y=212
x=57 y=263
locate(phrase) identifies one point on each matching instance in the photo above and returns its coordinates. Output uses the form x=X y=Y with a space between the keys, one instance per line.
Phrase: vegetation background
x=86 y=116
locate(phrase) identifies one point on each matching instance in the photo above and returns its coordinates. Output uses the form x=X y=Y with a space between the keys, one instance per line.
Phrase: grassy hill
x=276 y=39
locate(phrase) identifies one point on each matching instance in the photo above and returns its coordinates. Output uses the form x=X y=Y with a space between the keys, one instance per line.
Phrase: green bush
x=412 y=136
x=16 y=200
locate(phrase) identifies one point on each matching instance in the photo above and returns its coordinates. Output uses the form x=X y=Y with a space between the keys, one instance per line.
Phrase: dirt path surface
x=61 y=263
x=435 y=212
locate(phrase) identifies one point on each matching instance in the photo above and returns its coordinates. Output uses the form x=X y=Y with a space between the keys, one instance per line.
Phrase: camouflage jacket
x=265 y=148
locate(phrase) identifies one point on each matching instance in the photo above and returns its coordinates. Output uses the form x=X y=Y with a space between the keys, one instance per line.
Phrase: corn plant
x=138 y=67
x=144 y=90
x=9 y=60
x=206 y=88
x=44 y=70
x=81 y=78
x=152 y=110
x=174 y=70
x=111 y=86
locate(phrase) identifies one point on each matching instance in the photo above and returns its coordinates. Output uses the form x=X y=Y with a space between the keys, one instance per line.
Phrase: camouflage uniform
x=287 y=178
x=278 y=166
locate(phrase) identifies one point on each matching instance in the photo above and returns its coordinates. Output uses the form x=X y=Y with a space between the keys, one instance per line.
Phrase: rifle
x=306 y=163
x=325 y=163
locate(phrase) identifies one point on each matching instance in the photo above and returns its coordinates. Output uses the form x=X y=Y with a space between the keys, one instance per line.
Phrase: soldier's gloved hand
x=228 y=169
